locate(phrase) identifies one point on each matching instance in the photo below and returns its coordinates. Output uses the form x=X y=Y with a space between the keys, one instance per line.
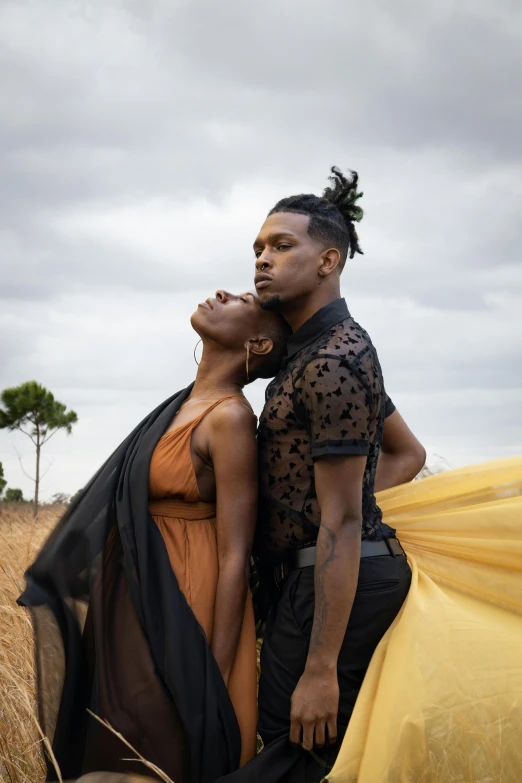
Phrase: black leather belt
x=302 y=558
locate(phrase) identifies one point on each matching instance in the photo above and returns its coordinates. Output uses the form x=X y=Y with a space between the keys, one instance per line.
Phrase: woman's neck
x=218 y=373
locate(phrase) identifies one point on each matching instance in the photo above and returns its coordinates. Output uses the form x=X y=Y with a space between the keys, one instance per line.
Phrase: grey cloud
x=142 y=143
x=433 y=74
x=423 y=76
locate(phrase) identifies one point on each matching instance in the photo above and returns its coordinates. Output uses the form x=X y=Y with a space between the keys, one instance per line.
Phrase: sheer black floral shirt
x=328 y=399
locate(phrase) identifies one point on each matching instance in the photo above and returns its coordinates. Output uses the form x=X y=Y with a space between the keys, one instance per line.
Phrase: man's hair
x=332 y=215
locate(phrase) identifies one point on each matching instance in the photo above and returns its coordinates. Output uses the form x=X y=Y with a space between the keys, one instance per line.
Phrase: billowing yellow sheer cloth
x=442 y=699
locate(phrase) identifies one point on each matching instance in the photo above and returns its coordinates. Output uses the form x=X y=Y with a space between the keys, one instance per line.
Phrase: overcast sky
x=142 y=144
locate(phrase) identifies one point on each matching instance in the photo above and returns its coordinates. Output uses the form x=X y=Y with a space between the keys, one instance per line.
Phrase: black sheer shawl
x=114 y=634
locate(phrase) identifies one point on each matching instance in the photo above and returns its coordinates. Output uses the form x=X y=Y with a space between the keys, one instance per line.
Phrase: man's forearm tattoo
x=328 y=545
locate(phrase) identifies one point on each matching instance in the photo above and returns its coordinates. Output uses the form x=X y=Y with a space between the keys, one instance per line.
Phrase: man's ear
x=330 y=261
x=260 y=347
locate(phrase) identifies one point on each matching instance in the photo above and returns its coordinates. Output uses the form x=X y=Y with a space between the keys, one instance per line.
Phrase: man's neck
x=299 y=311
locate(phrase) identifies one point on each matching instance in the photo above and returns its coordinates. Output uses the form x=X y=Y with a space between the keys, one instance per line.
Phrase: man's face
x=287 y=260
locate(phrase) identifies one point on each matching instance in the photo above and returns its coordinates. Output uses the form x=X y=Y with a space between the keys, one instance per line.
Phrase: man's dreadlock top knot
x=343 y=193
x=332 y=215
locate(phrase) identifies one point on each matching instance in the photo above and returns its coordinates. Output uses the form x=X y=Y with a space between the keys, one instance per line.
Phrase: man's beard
x=272 y=303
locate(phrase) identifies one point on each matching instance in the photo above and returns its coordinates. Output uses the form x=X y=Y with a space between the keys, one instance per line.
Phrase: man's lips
x=208 y=303
x=261 y=281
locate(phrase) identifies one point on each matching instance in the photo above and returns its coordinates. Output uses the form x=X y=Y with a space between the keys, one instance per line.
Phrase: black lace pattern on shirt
x=328 y=400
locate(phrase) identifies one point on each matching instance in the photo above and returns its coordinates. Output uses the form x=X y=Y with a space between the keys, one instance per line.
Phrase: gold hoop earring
x=195 y=347
x=248 y=356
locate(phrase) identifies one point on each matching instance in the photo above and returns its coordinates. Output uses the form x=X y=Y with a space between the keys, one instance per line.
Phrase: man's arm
x=402 y=456
x=315 y=702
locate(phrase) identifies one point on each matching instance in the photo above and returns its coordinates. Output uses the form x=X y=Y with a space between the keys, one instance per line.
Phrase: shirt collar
x=320 y=322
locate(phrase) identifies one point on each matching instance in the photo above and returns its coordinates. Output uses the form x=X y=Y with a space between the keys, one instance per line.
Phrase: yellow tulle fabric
x=442 y=699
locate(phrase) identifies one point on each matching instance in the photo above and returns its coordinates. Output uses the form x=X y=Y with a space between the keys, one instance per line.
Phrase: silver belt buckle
x=390 y=548
x=279 y=574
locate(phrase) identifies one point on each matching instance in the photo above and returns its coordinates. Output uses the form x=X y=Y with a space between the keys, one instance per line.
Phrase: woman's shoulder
x=234 y=412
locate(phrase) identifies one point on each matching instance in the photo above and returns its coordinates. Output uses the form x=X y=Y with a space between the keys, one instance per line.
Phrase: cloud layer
x=142 y=144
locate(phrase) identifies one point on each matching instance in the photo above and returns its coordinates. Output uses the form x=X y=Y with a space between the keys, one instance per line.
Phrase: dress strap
x=184 y=429
x=216 y=403
x=211 y=407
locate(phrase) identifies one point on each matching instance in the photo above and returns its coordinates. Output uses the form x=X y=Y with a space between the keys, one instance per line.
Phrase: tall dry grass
x=20 y=539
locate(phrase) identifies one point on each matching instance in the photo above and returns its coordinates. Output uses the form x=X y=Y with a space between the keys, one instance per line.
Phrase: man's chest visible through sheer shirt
x=326 y=401
x=285 y=460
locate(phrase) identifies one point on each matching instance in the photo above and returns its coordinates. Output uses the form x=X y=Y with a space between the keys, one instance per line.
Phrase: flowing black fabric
x=114 y=634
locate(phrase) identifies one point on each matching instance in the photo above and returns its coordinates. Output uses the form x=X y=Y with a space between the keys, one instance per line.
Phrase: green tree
x=33 y=410
x=76 y=495
x=3 y=482
x=14 y=496
x=60 y=499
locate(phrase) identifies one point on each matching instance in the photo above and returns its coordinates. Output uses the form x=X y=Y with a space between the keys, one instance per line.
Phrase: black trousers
x=382 y=587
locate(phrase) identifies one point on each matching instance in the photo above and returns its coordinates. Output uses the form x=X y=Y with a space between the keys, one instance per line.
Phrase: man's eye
x=284 y=246
x=257 y=253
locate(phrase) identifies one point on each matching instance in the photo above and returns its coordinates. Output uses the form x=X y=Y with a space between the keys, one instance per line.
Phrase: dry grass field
x=20 y=540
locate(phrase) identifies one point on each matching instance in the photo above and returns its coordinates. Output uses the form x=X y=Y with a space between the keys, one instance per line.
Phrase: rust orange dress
x=188 y=527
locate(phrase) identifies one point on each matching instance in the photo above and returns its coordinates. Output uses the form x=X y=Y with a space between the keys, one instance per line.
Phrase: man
x=342 y=573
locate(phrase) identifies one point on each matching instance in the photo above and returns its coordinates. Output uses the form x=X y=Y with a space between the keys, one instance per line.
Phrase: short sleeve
x=338 y=408
x=389 y=407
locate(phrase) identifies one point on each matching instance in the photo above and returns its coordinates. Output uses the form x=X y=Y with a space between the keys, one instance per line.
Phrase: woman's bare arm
x=233 y=451
x=402 y=455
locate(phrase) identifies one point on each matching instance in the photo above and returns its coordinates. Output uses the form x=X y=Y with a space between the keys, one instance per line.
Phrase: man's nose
x=263 y=261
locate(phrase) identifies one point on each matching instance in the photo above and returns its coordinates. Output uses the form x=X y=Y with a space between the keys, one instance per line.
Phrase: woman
x=143 y=584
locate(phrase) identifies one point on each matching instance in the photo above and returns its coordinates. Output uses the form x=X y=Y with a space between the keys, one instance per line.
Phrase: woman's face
x=232 y=319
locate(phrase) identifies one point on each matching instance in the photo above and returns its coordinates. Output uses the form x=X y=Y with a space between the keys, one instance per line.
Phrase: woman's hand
x=402 y=456
x=228 y=613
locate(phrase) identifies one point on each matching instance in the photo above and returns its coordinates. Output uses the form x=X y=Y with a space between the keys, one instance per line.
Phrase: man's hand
x=315 y=701
x=313 y=709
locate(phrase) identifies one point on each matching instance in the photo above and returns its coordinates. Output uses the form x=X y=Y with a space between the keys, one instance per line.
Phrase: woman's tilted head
x=235 y=323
